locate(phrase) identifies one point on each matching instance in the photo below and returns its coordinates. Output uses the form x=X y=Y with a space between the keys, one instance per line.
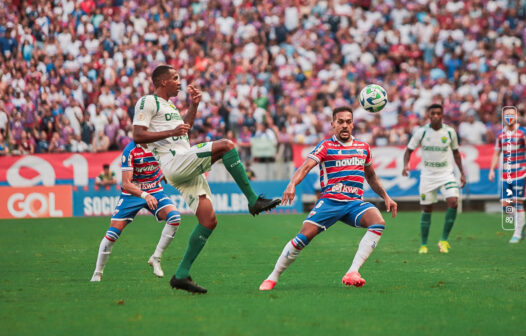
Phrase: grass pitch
x=478 y=288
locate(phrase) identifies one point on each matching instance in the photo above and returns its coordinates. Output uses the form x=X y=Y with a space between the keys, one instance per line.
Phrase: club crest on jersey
x=201 y=145
x=444 y=139
x=509 y=118
x=359 y=151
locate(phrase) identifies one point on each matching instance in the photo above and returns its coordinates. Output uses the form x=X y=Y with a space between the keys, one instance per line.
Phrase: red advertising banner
x=36 y=202
x=46 y=169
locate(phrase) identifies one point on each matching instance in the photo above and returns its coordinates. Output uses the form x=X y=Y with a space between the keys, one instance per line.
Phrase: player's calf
x=105 y=248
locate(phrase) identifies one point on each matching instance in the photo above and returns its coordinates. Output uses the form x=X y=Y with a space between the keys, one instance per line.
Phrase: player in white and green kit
x=438 y=141
x=158 y=123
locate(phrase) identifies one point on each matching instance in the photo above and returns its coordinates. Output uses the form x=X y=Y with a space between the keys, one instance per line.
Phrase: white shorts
x=185 y=172
x=448 y=189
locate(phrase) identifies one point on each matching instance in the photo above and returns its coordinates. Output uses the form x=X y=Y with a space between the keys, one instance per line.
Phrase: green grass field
x=478 y=288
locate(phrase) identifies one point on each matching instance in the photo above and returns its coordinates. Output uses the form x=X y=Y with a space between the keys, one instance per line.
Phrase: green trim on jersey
x=204 y=154
x=156 y=103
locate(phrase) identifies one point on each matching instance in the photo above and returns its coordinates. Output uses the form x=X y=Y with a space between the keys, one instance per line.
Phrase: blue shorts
x=326 y=212
x=129 y=205
x=515 y=189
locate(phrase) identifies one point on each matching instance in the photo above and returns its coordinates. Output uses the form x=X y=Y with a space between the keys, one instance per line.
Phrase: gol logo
x=36 y=202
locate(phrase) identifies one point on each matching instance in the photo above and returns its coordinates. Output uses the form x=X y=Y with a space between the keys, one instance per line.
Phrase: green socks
x=236 y=169
x=425 y=223
x=196 y=243
x=451 y=214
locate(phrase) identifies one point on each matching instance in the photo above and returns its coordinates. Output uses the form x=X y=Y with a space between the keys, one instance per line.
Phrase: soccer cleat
x=156 y=265
x=263 y=204
x=423 y=249
x=515 y=240
x=444 y=246
x=353 y=279
x=267 y=285
x=97 y=277
x=187 y=284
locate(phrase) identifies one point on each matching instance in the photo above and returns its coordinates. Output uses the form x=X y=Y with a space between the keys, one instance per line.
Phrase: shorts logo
x=201 y=145
x=444 y=139
x=319 y=204
x=423 y=197
x=312 y=213
x=123 y=158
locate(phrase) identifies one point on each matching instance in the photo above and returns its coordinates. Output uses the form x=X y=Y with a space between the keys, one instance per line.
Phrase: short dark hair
x=436 y=105
x=159 y=72
x=514 y=108
x=341 y=109
x=105 y=166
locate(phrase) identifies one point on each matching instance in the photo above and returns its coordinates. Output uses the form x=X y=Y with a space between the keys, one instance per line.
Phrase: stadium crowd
x=71 y=71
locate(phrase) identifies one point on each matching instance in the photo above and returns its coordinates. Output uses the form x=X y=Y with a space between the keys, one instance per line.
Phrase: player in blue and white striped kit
x=141 y=188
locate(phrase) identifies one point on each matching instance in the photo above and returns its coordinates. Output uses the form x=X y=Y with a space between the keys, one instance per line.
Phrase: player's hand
x=491 y=175
x=181 y=130
x=405 y=171
x=288 y=195
x=463 y=180
x=391 y=206
x=195 y=94
x=152 y=202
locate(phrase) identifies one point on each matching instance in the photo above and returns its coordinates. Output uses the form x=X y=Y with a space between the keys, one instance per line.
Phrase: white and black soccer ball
x=373 y=98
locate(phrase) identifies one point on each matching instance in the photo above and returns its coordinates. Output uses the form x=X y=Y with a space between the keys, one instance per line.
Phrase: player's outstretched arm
x=141 y=134
x=493 y=165
x=299 y=175
x=407 y=156
x=135 y=191
x=376 y=185
x=458 y=161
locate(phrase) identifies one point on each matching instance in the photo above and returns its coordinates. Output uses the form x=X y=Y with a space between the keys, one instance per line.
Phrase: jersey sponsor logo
x=350 y=162
x=435 y=164
x=146 y=185
x=172 y=116
x=339 y=187
x=146 y=168
x=435 y=148
x=181 y=137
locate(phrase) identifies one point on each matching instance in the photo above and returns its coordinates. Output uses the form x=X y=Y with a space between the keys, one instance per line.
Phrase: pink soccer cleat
x=267 y=285
x=353 y=279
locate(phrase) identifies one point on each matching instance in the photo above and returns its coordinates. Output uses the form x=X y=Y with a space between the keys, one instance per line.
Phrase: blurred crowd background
x=72 y=71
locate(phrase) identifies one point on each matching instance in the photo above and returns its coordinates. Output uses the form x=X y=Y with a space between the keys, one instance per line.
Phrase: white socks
x=167 y=236
x=289 y=254
x=519 y=224
x=104 y=253
x=366 y=246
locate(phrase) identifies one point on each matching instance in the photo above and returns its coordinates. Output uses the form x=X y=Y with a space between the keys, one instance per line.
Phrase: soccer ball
x=373 y=98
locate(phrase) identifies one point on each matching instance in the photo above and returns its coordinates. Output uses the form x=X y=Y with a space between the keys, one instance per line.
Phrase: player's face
x=510 y=117
x=435 y=115
x=343 y=125
x=172 y=83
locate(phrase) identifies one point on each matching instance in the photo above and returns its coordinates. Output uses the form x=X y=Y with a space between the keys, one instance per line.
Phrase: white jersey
x=158 y=114
x=437 y=147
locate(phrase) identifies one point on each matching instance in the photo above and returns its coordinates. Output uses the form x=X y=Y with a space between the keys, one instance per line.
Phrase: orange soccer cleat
x=267 y=285
x=353 y=279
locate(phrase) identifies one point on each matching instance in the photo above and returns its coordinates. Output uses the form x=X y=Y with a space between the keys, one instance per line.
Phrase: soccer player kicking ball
x=438 y=140
x=344 y=163
x=511 y=140
x=141 y=188
x=158 y=123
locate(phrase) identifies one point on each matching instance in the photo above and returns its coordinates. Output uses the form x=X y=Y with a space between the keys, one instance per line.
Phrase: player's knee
x=173 y=218
x=113 y=234
x=453 y=203
x=300 y=241
x=209 y=221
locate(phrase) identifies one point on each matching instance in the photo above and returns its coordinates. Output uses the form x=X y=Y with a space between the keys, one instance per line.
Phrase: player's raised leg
x=173 y=219
x=375 y=224
x=106 y=245
x=226 y=150
x=198 y=238
x=289 y=254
